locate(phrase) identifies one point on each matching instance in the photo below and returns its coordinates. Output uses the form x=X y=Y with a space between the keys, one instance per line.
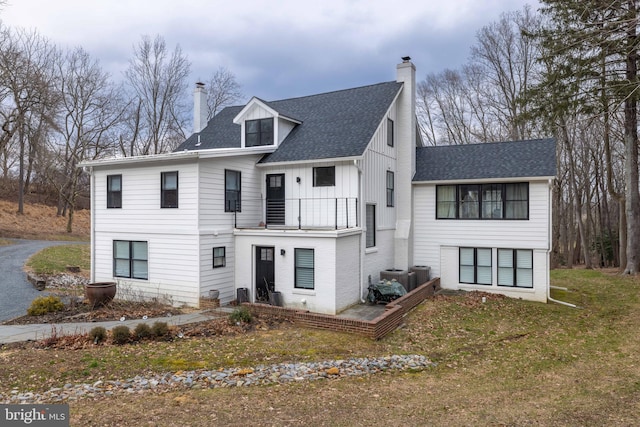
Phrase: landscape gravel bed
x=233 y=377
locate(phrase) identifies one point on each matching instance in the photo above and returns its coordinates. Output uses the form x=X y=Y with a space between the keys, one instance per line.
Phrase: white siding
x=378 y=159
x=437 y=241
x=318 y=204
x=213 y=217
x=141 y=211
x=172 y=266
x=171 y=233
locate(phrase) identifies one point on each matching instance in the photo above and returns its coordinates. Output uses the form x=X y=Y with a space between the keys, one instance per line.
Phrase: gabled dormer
x=262 y=125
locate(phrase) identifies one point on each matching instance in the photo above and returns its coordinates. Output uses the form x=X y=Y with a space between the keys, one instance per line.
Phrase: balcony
x=298 y=214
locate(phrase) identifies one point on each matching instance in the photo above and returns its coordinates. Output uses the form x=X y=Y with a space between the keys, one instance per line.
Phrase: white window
x=475 y=266
x=130 y=259
x=515 y=268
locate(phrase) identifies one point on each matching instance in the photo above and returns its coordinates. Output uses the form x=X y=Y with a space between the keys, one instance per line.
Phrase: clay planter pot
x=100 y=293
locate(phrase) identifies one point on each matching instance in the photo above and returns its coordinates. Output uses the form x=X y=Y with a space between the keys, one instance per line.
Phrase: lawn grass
x=502 y=362
x=55 y=259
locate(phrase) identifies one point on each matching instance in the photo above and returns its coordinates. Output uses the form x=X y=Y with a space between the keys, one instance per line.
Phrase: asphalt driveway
x=16 y=293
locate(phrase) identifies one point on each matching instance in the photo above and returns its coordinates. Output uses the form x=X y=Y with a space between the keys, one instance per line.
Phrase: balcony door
x=275 y=199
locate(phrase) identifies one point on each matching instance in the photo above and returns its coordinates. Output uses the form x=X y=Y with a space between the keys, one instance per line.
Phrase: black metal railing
x=303 y=213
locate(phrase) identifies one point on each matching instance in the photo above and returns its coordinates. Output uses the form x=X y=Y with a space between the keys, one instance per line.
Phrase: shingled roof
x=334 y=124
x=510 y=159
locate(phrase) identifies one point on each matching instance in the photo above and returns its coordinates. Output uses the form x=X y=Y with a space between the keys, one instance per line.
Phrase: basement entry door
x=265 y=276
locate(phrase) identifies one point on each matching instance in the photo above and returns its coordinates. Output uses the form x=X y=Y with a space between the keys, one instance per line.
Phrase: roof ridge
x=333 y=91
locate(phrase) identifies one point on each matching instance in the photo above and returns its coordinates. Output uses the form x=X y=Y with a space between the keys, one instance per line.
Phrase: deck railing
x=302 y=213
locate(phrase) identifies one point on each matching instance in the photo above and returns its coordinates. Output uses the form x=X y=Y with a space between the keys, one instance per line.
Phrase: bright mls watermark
x=34 y=415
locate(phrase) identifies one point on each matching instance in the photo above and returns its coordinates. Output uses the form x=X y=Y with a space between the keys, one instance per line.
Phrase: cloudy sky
x=276 y=49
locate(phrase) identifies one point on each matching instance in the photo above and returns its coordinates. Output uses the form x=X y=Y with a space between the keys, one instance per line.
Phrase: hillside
x=41 y=223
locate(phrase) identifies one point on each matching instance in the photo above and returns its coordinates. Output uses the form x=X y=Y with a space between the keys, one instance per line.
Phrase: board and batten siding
x=378 y=159
x=436 y=242
x=318 y=204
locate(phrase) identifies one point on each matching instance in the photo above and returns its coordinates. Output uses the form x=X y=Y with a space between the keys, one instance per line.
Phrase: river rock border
x=233 y=377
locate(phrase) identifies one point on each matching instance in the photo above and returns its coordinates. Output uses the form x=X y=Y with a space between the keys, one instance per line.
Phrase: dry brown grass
x=40 y=222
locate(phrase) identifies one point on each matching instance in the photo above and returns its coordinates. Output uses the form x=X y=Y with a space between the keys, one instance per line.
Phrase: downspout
x=362 y=235
x=93 y=224
x=549 y=245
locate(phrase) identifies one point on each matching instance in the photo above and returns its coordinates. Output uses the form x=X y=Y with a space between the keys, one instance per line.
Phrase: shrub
x=98 y=334
x=241 y=314
x=44 y=305
x=142 y=331
x=160 y=329
x=120 y=334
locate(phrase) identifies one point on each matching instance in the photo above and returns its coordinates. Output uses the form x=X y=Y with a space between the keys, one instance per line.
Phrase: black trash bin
x=242 y=295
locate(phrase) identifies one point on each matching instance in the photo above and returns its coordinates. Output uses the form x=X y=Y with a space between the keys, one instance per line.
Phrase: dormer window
x=258 y=132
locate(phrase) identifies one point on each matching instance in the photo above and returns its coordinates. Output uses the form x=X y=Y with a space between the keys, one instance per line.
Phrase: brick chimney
x=199 y=108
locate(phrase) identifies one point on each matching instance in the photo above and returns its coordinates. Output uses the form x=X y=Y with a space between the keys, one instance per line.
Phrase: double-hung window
x=169 y=189
x=390 y=188
x=130 y=259
x=219 y=257
x=304 y=268
x=232 y=191
x=114 y=191
x=515 y=268
x=475 y=266
x=324 y=176
x=258 y=132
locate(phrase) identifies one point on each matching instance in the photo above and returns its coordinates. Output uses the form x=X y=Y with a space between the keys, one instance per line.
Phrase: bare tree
x=507 y=61
x=158 y=79
x=223 y=90
x=89 y=110
x=27 y=81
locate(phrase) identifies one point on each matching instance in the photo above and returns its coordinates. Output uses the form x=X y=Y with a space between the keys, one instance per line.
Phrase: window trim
x=330 y=178
x=480 y=201
x=130 y=259
x=371 y=229
x=262 y=134
x=238 y=192
x=164 y=191
x=111 y=193
x=390 y=132
x=390 y=189
x=514 y=268
x=296 y=268
x=222 y=258
x=475 y=266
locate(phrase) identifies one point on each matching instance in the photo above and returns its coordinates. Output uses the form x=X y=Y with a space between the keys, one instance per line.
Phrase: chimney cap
x=406 y=58
x=199 y=84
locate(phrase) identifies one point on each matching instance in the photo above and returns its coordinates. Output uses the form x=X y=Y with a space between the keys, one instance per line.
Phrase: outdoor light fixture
x=298 y=179
x=282 y=252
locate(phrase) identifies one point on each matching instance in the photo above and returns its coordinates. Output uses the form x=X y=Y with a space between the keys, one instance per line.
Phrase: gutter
x=362 y=235
x=93 y=225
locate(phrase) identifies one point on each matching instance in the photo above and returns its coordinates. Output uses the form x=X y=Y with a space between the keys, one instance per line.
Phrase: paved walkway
x=18 y=333
x=16 y=293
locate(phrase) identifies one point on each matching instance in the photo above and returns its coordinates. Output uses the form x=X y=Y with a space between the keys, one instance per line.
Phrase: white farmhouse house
x=313 y=197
